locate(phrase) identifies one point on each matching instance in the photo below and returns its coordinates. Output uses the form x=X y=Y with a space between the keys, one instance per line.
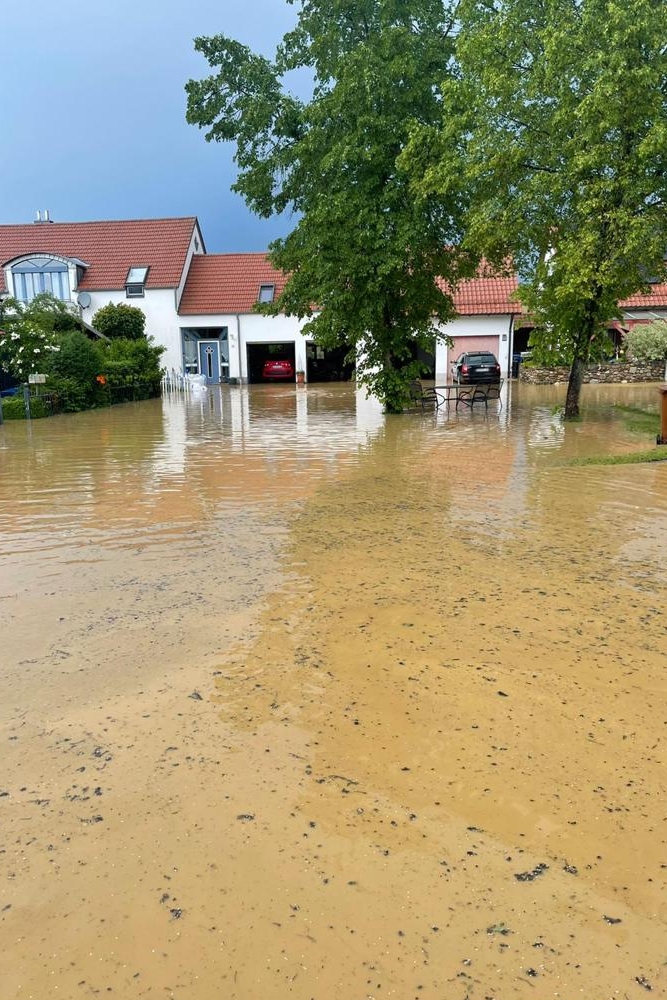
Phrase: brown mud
x=298 y=701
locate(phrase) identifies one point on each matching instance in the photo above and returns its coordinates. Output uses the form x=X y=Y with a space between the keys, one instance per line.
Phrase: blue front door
x=209 y=361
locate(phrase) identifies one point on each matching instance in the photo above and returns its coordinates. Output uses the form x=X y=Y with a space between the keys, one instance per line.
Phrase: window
x=136 y=282
x=266 y=293
x=36 y=275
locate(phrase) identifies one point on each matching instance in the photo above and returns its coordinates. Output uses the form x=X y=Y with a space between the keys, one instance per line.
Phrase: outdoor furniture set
x=457 y=393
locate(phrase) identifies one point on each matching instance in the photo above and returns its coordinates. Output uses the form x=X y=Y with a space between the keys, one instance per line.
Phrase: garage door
x=462 y=344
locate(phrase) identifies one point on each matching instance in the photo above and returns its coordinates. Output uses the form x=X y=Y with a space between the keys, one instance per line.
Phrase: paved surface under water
x=298 y=700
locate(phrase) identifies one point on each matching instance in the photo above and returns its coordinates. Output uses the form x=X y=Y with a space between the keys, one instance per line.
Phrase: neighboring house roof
x=108 y=248
x=228 y=283
x=487 y=295
x=494 y=294
x=657 y=299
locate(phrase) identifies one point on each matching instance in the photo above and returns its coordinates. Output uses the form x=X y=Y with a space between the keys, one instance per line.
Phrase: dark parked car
x=476 y=366
x=278 y=369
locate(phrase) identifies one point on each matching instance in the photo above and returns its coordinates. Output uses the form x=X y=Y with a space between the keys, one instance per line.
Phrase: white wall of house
x=248 y=328
x=214 y=322
x=491 y=333
x=258 y=329
x=162 y=320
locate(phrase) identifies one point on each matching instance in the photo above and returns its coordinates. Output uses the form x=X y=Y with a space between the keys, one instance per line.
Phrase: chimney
x=39 y=219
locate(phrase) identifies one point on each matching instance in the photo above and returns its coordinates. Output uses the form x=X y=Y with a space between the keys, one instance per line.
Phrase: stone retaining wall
x=625 y=371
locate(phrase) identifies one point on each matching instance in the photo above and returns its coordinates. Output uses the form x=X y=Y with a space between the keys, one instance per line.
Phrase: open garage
x=327 y=364
x=258 y=354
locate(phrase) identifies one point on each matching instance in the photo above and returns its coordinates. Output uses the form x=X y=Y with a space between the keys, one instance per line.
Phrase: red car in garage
x=275 y=369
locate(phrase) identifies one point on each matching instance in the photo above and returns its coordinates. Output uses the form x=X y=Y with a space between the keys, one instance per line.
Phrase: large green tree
x=364 y=254
x=559 y=145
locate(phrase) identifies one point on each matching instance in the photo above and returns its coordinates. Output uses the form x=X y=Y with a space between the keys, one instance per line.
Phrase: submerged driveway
x=300 y=701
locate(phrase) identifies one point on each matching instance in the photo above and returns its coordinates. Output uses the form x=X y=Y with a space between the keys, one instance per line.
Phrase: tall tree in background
x=364 y=256
x=560 y=143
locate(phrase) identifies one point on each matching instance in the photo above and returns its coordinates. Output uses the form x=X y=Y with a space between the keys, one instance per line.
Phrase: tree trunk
x=582 y=351
x=393 y=402
x=574 y=389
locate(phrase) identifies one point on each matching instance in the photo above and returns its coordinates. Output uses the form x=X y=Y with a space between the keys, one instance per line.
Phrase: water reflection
x=149 y=464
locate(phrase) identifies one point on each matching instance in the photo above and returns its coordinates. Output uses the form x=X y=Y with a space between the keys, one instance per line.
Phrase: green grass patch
x=638 y=420
x=657 y=454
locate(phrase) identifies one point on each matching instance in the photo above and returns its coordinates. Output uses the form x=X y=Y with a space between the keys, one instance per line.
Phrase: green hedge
x=13 y=408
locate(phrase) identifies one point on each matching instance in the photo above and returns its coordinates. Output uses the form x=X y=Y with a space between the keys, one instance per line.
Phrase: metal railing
x=173 y=381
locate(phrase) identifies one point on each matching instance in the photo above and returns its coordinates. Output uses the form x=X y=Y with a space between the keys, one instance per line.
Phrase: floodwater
x=302 y=701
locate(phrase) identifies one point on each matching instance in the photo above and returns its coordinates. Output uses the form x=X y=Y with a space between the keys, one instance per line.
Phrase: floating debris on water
x=531 y=875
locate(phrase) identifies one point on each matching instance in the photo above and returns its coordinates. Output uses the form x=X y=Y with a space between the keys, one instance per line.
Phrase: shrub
x=132 y=362
x=648 y=341
x=120 y=320
x=73 y=371
x=14 y=408
x=79 y=358
x=73 y=395
x=27 y=339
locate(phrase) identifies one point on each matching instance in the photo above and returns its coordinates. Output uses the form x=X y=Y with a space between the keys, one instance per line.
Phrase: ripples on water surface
x=165 y=465
x=291 y=692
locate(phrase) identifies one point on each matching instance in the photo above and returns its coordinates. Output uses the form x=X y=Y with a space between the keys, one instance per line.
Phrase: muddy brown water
x=298 y=700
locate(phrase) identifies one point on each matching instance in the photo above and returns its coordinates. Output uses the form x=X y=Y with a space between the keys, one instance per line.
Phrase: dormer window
x=266 y=293
x=39 y=274
x=135 y=283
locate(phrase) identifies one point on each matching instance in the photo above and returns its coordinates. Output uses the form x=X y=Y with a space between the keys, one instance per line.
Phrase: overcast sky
x=92 y=113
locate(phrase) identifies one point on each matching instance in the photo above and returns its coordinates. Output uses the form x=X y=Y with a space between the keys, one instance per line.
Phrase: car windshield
x=480 y=359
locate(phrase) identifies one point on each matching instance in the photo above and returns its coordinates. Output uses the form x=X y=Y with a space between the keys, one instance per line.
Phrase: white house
x=142 y=262
x=202 y=307
x=487 y=311
x=217 y=317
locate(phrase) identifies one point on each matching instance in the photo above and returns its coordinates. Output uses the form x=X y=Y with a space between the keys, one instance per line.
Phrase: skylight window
x=135 y=282
x=266 y=293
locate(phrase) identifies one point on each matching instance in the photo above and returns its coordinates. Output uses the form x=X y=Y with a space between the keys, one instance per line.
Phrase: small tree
x=648 y=341
x=119 y=320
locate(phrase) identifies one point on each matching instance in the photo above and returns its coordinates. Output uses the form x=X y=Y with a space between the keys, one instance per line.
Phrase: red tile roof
x=494 y=294
x=228 y=283
x=487 y=295
x=656 y=300
x=110 y=248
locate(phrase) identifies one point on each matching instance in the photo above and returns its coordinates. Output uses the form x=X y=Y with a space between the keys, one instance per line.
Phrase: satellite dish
x=83 y=298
